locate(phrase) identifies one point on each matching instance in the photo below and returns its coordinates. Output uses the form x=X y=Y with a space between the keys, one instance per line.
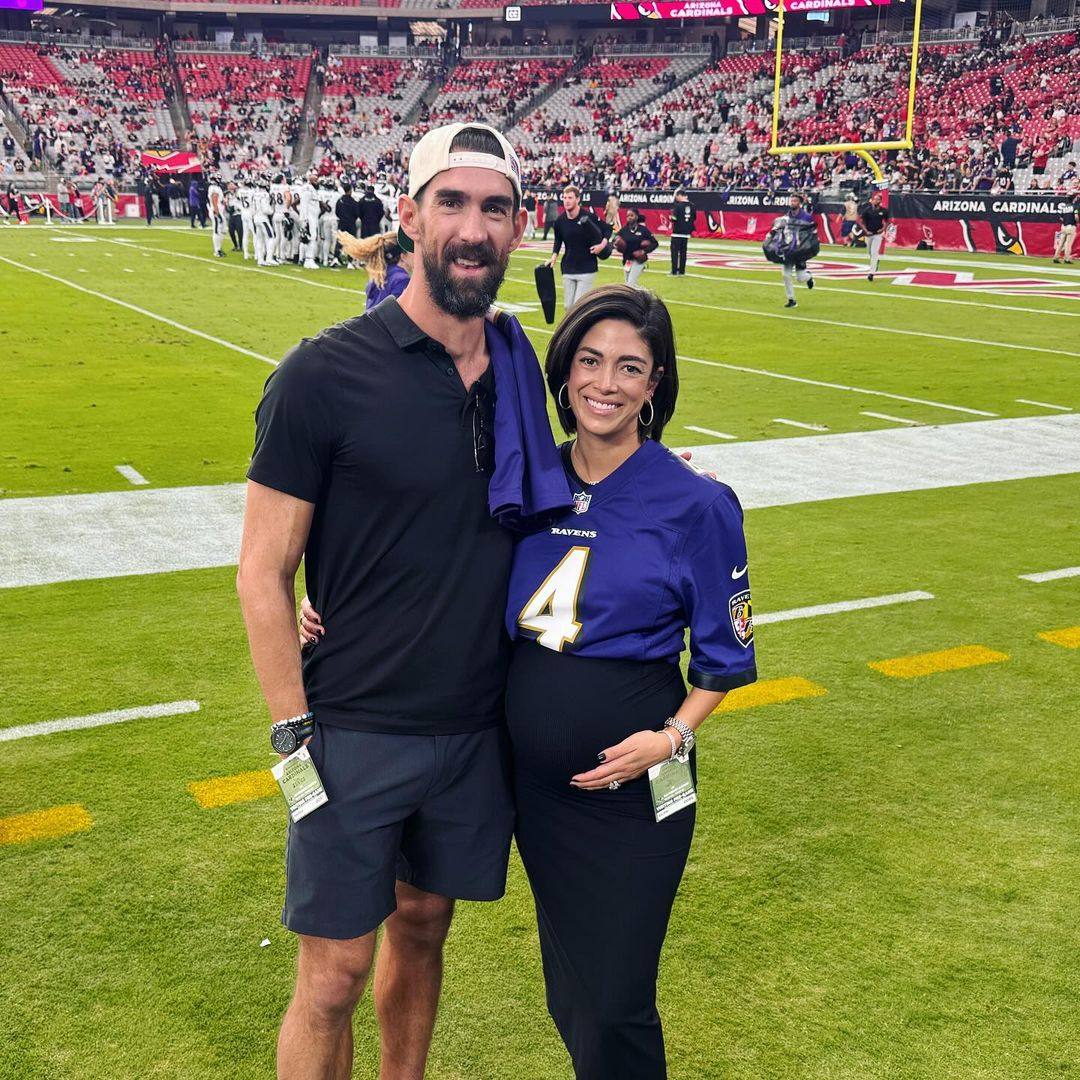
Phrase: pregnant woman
x=599 y=602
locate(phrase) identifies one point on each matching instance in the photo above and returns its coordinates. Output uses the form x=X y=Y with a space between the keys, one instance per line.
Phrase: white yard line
x=141 y=311
x=810 y=382
x=116 y=716
x=1052 y=575
x=709 y=431
x=799 y=424
x=720 y=273
x=158 y=530
x=892 y=419
x=1043 y=404
x=128 y=473
x=840 y=606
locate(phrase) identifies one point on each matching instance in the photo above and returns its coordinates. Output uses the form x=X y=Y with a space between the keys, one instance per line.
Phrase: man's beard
x=464 y=299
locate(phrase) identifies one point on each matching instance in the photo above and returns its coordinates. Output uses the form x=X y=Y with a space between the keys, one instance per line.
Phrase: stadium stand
x=245 y=110
x=87 y=111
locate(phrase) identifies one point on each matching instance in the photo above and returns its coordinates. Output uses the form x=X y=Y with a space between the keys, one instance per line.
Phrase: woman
x=388 y=266
x=598 y=604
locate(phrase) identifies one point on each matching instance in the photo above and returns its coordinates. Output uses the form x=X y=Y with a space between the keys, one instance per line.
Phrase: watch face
x=283 y=740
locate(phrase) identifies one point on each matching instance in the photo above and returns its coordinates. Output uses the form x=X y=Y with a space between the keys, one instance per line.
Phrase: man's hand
x=551 y=261
x=597 y=248
x=686 y=455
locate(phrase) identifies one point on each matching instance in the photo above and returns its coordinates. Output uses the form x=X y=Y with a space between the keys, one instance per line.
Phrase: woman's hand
x=311 y=627
x=627 y=760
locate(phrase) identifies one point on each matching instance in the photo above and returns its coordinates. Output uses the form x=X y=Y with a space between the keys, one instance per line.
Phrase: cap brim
x=404 y=241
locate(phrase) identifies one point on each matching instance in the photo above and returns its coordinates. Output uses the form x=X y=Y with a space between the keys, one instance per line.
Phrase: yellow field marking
x=929 y=663
x=770 y=692
x=1069 y=637
x=243 y=787
x=44 y=824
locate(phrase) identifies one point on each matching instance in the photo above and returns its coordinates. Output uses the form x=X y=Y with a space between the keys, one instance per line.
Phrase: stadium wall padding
x=1000 y=224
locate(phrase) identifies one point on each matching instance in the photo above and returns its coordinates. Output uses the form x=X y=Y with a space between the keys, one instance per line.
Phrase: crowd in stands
x=1000 y=114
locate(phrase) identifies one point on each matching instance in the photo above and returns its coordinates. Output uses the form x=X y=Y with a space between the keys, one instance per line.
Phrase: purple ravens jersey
x=648 y=551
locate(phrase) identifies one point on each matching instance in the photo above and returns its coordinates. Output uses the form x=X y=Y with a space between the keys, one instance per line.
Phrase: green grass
x=884 y=880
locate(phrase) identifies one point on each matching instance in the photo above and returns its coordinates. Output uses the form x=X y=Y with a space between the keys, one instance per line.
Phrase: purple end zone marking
x=23 y=5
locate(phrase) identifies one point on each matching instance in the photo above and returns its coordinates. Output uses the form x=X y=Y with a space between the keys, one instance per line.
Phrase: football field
x=885 y=879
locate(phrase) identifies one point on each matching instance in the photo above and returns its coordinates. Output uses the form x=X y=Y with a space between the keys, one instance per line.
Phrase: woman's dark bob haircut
x=647 y=314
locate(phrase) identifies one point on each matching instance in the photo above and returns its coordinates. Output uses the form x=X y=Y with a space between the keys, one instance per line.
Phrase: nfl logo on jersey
x=581 y=502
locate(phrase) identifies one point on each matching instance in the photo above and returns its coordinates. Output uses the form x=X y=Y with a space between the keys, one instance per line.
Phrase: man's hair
x=475 y=140
x=648 y=315
x=574 y=188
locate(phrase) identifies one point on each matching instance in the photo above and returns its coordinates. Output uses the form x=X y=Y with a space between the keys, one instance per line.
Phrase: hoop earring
x=652 y=414
x=558 y=397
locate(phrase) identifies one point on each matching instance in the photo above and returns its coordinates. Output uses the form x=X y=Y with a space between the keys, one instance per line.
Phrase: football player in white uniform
x=389 y=194
x=219 y=220
x=245 y=196
x=308 y=210
x=264 y=230
x=280 y=199
x=329 y=193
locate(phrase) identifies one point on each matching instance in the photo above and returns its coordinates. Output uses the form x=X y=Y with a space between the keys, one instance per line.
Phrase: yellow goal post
x=863 y=149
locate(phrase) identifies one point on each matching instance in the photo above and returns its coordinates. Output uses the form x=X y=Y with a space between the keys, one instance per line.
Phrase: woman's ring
x=614 y=785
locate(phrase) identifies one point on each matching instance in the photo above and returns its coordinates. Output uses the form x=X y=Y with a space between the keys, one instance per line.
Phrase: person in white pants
x=219 y=222
x=309 y=217
x=329 y=193
x=280 y=201
x=264 y=230
x=873 y=216
x=634 y=241
x=579 y=233
x=245 y=196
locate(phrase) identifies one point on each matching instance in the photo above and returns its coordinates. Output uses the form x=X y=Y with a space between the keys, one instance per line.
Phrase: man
x=371 y=463
x=102 y=203
x=328 y=196
x=683 y=216
x=1066 y=237
x=281 y=203
x=581 y=235
x=873 y=217
x=232 y=210
x=635 y=242
x=307 y=209
x=792 y=240
x=219 y=223
x=245 y=197
x=347 y=210
x=264 y=229
x=144 y=189
x=529 y=202
x=551 y=213
x=372 y=213
x=850 y=220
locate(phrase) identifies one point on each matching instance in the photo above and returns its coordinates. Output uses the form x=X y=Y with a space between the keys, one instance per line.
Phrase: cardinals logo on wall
x=715 y=221
x=1008 y=239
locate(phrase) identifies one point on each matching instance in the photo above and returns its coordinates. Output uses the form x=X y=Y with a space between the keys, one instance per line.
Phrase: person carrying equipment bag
x=791 y=243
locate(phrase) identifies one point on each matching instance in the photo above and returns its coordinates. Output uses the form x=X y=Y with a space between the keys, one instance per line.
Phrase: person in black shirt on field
x=873 y=216
x=683 y=216
x=634 y=241
x=372 y=212
x=1066 y=237
x=580 y=233
x=551 y=213
x=529 y=202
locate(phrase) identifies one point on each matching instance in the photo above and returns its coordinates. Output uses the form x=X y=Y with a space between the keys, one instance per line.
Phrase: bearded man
x=372 y=461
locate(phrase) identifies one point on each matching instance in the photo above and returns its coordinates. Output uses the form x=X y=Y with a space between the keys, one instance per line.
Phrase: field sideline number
x=551 y=612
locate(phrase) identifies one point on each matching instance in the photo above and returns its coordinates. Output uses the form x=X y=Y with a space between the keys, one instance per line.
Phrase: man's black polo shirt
x=370 y=422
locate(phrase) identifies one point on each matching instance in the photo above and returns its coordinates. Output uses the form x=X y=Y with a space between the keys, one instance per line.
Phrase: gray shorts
x=435 y=811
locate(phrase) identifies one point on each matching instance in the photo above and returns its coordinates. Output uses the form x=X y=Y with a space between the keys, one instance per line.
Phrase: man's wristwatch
x=687 y=733
x=286 y=736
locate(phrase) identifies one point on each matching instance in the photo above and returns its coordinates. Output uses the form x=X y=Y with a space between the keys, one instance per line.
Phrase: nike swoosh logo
x=737 y=573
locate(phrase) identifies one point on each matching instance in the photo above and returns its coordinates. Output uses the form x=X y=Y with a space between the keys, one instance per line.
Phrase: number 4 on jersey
x=551 y=612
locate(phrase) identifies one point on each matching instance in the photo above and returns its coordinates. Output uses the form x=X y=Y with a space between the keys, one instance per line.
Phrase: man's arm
x=276 y=529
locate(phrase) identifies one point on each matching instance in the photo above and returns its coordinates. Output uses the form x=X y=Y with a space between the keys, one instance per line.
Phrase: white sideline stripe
x=811 y=382
x=1052 y=575
x=128 y=473
x=843 y=605
x=160 y=530
x=894 y=419
x=140 y=311
x=294 y=277
x=116 y=716
x=1043 y=404
x=723 y=274
x=709 y=431
x=799 y=424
